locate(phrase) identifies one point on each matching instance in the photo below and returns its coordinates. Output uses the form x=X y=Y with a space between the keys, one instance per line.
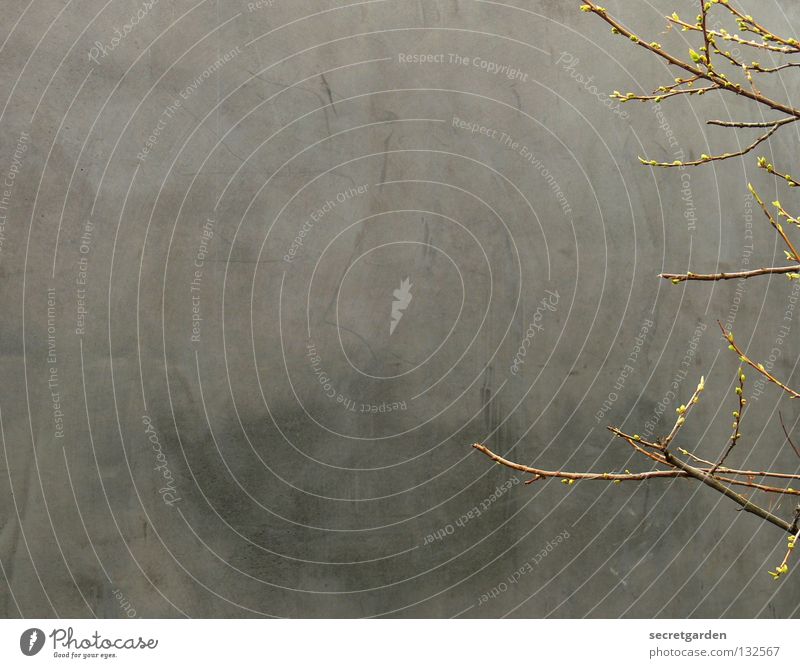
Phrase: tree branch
x=728 y=275
x=712 y=482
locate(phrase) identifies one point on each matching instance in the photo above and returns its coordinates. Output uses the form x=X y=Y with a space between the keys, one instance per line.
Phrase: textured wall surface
x=268 y=269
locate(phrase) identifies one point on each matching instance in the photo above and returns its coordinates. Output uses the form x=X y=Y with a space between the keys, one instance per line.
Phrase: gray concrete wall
x=219 y=398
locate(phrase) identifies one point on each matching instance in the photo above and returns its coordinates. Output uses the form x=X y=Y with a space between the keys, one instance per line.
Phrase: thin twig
x=709 y=76
x=757 y=366
x=775 y=224
x=728 y=275
x=744 y=502
x=750 y=124
x=788 y=438
x=574 y=475
x=758 y=28
x=683 y=412
x=737 y=420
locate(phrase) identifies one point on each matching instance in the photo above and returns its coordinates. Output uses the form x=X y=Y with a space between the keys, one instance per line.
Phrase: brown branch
x=783 y=213
x=778 y=227
x=725 y=35
x=704 y=29
x=755 y=485
x=653 y=47
x=784 y=565
x=759 y=474
x=633 y=443
x=575 y=475
x=710 y=465
x=636 y=438
x=571 y=476
x=746 y=124
x=737 y=420
x=683 y=412
x=793 y=271
x=746 y=19
x=757 y=366
x=721 y=478
x=712 y=158
x=788 y=438
x=658 y=96
x=728 y=275
x=764 y=164
x=756 y=67
x=711 y=481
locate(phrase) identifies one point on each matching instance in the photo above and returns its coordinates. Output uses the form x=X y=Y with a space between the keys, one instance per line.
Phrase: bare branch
x=728 y=275
x=711 y=481
x=705 y=158
x=746 y=22
x=751 y=124
x=762 y=162
x=709 y=75
x=570 y=477
x=755 y=365
x=778 y=227
x=702 y=71
x=737 y=420
x=573 y=475
x=788 y=438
